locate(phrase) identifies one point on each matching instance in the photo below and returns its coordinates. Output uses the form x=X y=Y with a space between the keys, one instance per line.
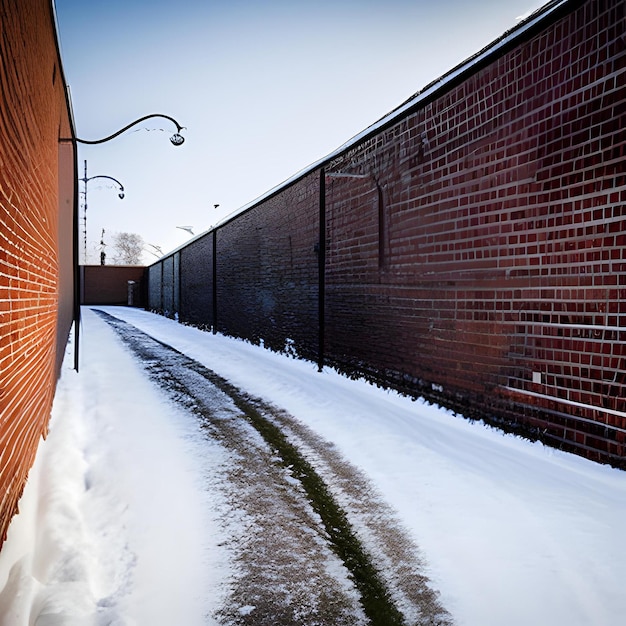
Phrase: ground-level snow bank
x=113 y=524
x=113 y=527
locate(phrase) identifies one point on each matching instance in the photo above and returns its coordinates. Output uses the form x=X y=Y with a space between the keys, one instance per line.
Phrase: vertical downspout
x=180 y=293
x=145 y=289
x=214 y=281
x=382 y=231
x=77 y=281
x=75 y=200
x=162 y=289
x=321 y=260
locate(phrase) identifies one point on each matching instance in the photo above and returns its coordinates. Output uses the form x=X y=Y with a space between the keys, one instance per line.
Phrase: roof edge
x=492 y=51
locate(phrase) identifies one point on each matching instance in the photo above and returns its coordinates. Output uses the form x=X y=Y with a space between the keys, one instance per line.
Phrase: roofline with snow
x=529 y=27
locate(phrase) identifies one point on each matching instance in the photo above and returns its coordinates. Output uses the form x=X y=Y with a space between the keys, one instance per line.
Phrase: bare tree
x=128 y=248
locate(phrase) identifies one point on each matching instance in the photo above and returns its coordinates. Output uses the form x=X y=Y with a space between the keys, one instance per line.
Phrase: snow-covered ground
x=115 y=525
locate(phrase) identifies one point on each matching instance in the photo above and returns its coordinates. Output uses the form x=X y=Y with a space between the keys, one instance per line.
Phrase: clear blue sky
x=264 y=87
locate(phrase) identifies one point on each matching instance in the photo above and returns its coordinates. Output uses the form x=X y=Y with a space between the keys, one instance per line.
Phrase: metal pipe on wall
x=321 y=261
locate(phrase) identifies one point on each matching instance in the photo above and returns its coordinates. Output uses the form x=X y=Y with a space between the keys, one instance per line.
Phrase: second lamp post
x=85 y=181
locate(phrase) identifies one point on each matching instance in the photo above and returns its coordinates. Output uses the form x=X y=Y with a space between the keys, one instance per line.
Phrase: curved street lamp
x=85 y=180
x=121 y=194
x=177 y=139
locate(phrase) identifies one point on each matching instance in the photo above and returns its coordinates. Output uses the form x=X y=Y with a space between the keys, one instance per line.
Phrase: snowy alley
x=183 y=487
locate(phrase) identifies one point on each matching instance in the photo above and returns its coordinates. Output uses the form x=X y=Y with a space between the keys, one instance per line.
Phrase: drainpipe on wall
x=77 y=281
x=321 y=261
x=214 y=280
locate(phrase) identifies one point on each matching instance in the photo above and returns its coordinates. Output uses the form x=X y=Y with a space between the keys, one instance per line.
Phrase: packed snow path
x=316 y=545
x=120 y=520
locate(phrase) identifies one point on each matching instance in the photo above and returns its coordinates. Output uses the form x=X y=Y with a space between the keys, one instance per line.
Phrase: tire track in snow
x=295 y=506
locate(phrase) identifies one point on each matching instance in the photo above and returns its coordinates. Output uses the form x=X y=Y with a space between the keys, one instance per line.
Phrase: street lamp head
x=121 y=195
x=177 y=139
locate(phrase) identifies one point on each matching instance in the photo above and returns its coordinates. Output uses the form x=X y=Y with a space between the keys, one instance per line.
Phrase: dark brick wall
x=267 y=271
x=36 y=236
x=475 y=244
x=169 y=285
x=155 y=287
x=108 y=284
x=196 y=282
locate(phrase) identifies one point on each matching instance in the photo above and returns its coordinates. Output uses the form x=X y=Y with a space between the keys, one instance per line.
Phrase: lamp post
x=177 y=139
x=85 y=180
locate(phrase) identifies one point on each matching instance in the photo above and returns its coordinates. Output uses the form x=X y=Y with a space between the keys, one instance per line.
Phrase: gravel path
x=310 y=542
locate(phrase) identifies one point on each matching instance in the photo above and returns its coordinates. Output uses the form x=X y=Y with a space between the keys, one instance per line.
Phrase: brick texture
x=36 y=236
x=475 y=246
x=196 y=280
x=267 y=271
x=109 y=284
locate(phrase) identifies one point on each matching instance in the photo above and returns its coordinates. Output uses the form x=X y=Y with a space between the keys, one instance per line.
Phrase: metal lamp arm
x=141 y=119
x=104 y=176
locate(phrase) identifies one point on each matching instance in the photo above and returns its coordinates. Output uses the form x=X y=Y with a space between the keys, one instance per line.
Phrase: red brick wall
x=475 y=243
x=494 y=256
x=36 y=236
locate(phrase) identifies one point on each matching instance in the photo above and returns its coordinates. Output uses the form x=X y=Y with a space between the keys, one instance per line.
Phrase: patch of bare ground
x=397 y=557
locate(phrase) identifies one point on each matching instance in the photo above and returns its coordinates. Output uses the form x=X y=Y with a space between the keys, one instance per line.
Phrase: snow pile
x=114 y=512
x=116 y=527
